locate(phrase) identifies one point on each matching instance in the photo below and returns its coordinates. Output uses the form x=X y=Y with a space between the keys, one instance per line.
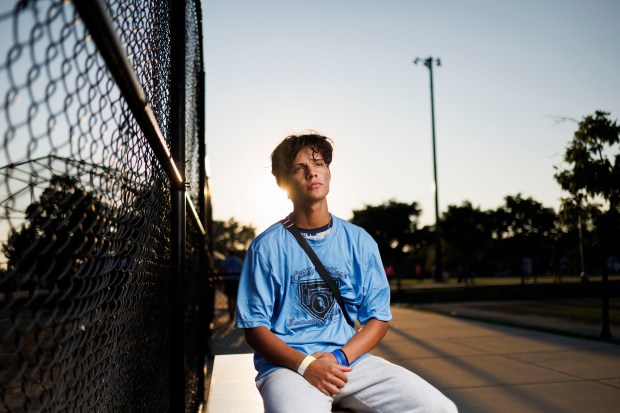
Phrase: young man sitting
x=307 y=355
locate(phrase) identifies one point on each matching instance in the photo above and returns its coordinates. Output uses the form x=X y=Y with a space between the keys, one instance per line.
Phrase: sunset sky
x=510 y=72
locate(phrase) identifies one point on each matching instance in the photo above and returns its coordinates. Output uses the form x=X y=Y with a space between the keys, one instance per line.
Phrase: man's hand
x=326 y=374
x=325 y=356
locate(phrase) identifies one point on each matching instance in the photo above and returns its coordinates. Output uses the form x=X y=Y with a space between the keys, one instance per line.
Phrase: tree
x=393 y=226
x=525 y=229
x=467 y=231
x=62 y=231
x=232 y=235
x=526 y=217
x=577 y=222
x=593 y=173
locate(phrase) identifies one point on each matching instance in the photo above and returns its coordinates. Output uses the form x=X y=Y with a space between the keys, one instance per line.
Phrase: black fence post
x=204 y=266
x=178 y=219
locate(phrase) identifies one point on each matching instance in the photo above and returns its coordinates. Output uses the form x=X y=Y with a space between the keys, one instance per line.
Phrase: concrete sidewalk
x=503 y=312
x=487 y=367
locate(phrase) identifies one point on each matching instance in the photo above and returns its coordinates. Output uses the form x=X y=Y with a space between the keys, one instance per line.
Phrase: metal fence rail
x=103 y=206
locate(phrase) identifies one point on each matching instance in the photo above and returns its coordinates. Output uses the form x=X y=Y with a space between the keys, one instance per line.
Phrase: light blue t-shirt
x=281 y=290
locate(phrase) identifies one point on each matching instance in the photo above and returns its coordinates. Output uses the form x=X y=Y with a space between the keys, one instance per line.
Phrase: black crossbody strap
x=288 y=224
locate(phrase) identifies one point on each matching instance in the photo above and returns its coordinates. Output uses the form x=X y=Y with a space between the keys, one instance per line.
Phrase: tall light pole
x=429 y=62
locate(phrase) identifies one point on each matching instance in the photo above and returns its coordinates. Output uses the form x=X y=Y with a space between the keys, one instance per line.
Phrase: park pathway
x=488 y=368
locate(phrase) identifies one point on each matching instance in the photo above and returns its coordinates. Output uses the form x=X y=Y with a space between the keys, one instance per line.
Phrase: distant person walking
x=554 y=268
x=232 y=266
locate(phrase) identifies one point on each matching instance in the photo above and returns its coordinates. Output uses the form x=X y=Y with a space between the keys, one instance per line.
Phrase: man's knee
x=439 y=404
x=282 y=390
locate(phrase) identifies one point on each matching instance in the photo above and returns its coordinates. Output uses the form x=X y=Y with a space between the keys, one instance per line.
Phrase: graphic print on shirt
x=315 y=297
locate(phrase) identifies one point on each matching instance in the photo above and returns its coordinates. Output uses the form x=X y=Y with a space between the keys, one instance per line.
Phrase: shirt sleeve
x=376 y=290
x=255 y=298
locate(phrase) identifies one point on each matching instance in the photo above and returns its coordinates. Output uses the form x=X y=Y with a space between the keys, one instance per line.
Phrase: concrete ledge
x=232 y=388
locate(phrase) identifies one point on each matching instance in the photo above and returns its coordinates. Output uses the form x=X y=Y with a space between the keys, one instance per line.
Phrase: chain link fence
x=93 y=280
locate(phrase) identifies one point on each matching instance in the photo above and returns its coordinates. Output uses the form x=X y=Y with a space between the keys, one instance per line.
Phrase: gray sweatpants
x=375 y=385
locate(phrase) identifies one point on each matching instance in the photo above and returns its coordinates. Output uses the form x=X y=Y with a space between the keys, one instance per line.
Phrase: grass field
x=586 y=310
x=407 y=283
x=583 y=309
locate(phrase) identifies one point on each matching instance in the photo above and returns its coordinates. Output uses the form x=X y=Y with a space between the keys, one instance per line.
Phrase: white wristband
x=304 y=364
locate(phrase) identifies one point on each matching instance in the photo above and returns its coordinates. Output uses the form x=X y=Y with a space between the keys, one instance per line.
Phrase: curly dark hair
x=284 y=154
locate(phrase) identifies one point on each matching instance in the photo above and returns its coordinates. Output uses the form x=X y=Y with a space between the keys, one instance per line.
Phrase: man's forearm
x=328 y=378
x=365 y=339
x=276 y=351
